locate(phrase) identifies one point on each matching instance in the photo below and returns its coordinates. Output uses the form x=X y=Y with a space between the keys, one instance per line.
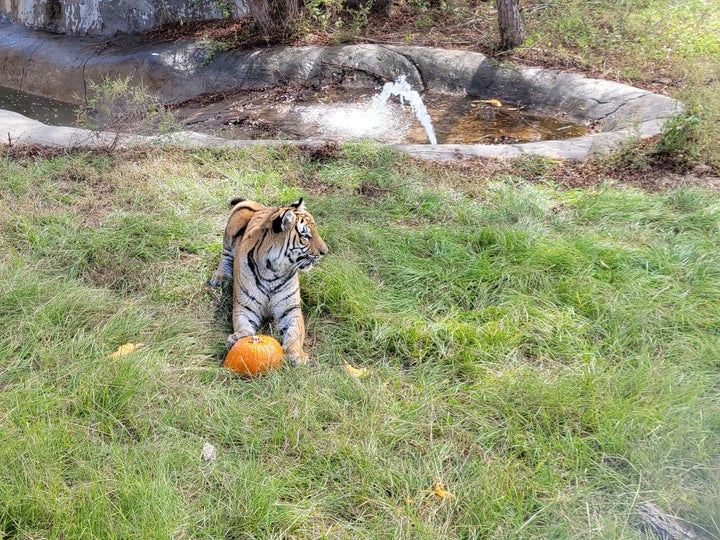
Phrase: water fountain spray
x=402 y=89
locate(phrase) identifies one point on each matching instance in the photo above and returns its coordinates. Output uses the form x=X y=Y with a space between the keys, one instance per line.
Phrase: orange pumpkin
x=253 y=355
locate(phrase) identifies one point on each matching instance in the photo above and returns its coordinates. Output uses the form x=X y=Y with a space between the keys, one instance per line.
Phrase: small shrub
x=117 y=105
x=632 y=156
x=209 y=47
x=357 y=20
x=380 y=7
x=679 y=139
x=695 y=135
x=325 y=13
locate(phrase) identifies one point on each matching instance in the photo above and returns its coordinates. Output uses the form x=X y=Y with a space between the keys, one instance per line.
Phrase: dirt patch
x=570 y=174
x=24 y=151
x=237 y=32
x=468 y=174
x=403 y=26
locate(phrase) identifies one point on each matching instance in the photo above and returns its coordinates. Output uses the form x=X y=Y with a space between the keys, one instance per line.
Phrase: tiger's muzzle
x=317 y=250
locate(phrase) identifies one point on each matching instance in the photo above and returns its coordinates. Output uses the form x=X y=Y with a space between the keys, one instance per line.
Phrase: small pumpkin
x=253 y=355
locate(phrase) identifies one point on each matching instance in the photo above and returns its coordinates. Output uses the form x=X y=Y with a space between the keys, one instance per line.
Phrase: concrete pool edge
x=58 y=66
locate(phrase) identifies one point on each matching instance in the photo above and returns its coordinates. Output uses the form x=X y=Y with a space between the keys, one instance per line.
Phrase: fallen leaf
x=440 y=492
x=493 y=102
x=122 y=350
x=358 y=373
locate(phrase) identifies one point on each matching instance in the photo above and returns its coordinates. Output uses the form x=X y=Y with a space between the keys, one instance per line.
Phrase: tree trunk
x=511 y=32
x=276 y=19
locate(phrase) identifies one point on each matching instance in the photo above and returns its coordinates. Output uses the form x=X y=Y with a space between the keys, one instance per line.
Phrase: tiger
x=263 y=249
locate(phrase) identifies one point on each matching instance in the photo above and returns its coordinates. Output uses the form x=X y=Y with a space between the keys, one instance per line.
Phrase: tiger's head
x=297 y=237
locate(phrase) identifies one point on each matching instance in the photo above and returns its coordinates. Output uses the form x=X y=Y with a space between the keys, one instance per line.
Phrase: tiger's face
x=295 y=243
x=306 y=246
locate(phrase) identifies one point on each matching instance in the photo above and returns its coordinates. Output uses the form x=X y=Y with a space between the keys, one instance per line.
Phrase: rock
x=662 y=524
x=209 y=452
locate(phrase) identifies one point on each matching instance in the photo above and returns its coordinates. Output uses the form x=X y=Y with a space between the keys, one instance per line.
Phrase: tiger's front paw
x=218 y=278
x=233 y=338
x=297 y=359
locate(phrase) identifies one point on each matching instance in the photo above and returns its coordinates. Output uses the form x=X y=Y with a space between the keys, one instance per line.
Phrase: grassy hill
x=542 y=359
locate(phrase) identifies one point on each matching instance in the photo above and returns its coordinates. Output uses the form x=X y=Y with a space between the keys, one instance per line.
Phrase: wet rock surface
x=58 y=66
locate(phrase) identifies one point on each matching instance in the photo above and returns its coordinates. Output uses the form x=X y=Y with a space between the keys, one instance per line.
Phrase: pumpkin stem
x=255 y=339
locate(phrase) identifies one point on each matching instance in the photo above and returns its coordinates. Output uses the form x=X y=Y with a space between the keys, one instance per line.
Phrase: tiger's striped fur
x=263 y=249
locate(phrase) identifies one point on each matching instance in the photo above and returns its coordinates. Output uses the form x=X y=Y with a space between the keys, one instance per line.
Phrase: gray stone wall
x=111 y=17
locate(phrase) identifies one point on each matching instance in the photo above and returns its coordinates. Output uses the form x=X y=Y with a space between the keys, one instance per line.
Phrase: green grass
x=548 y=356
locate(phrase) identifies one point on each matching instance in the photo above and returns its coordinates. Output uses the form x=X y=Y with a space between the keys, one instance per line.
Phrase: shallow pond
x=340 y=114
x=336 y=113
x=46 y=110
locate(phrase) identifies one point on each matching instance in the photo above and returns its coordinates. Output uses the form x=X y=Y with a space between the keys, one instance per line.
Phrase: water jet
x=402 y=89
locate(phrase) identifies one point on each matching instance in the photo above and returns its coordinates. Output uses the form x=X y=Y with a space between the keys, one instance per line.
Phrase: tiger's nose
x=322 y=248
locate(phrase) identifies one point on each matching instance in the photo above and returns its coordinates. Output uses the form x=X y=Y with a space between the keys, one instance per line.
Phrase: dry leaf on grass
x=438 y=491
x=122 y=350
x=358 y=373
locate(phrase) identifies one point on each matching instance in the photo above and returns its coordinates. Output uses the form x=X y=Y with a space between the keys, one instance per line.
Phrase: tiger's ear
x=300 y=205
x=283 y=221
